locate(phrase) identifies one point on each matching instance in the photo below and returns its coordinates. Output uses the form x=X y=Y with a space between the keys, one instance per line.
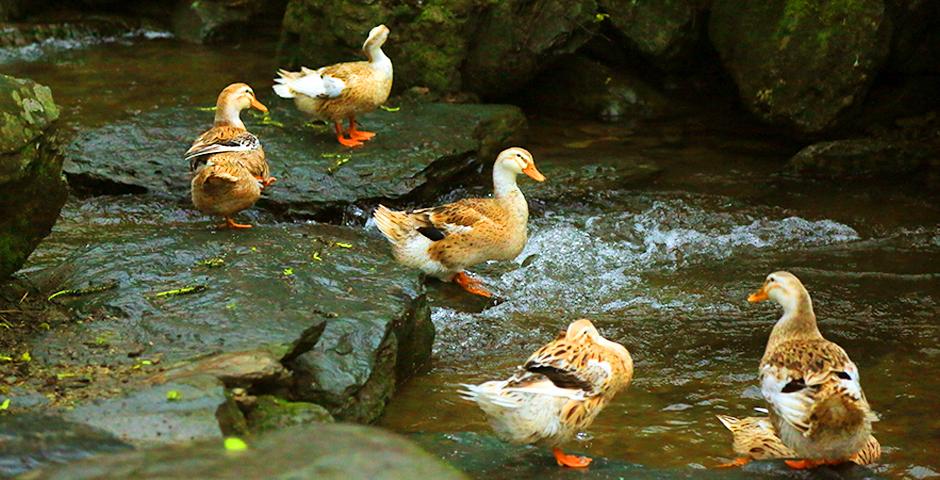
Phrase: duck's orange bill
x=533 y=172
x=758 y=296
x=256 y=104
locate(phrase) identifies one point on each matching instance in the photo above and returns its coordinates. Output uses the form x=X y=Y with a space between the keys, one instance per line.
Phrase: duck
x=340 y=92
x=227 y=163
x=557 y=392
x=754 y=438
x=812 y=387
x=444 y=241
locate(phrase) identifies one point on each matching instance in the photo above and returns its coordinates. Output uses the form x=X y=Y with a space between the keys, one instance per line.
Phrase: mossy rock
x=324 y=452
x=800 y=63
x=664 y=31
x=30 y=170
x=273 y=413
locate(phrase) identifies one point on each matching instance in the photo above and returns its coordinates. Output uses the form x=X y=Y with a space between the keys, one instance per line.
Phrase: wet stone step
x=419 y=151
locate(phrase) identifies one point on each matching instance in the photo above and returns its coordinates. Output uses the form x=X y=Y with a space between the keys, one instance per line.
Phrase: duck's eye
x=772 y=279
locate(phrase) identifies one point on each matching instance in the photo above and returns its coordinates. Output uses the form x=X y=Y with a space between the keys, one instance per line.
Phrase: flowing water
x=660 y=263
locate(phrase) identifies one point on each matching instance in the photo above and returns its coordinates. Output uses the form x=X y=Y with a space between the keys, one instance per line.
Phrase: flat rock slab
x=321 y=451
x=29 y=441
x=173 y=412
x=484 y=456
x=417 y=149
x=328 y=294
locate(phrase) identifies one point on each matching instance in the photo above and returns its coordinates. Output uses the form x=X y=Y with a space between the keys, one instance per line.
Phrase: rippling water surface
x=662 y=263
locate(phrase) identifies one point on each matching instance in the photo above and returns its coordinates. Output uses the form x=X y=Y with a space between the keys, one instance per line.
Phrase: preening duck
x=342 y=91
x=227 y=162
x=557 y=392
x=754 y=438
x=443 y=241
x=816 y=401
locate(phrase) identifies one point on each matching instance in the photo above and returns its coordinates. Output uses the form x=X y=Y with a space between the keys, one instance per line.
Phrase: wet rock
x=69 y=28
x=516 y=39
x=173 y=412
x=273 y=413
x=801 y=64
x=490 y=48
x=663 y=31
x=214 y=21
x=863 y=157
x=580 y=84
x=29 y=441
x=485 y=456
x=417 y=150
x=30 y=169
x=234 y=369
x=328 y=301
x=322 y=451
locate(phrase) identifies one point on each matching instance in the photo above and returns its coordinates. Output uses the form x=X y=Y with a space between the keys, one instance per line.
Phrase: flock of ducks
x=818 y=414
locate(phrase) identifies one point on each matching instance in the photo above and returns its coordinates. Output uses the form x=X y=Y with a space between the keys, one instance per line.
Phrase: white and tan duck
x=817 y=406
x=227 y=162
x=344 y=90
x=444 y=241
x=558 y=391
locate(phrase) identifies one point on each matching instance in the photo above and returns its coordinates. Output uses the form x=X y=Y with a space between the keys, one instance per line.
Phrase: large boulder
x=165 y=288
x=865 y=157
x=30 y=170
x=418 y=149
x=801 y=64
x=663 y=31
x=321 y=451
x=491 y=48
x=30 y=441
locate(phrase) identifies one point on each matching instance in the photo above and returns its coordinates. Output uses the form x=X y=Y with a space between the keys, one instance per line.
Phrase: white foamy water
x=36 y=51
x=585 y=265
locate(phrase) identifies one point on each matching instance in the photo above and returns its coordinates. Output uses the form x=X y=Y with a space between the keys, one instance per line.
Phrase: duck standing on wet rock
x=227 y=162
x=344 y=90
x=817 y=405
x=443 y=241
x=558 y=391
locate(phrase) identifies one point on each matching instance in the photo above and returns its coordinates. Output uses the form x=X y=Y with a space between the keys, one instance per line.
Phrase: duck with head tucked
x=815 y=395
x=342 y=91
x=444 y=241
x=227 y=162
x=557 y=392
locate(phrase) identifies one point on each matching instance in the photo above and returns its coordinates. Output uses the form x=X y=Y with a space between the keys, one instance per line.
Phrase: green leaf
x=235 y=444
x=316 y=256
x=26 y=357
x=343 y=245
x=288 y=272
x=600 y=17
x=5 y=405
x=390 y=109
x=174 y=396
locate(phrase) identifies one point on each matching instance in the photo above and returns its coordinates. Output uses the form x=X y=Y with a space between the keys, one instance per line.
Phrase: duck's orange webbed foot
x=808 y=464
x=229 y=223
x=737 y=462
x=571 y=461
x=266 y=182
x=356 y=134
x=472 y=285
x=346 y=142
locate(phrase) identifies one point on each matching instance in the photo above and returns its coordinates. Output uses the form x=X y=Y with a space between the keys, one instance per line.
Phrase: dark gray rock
x=321 y=451
x=29 y=441
x=863 y=157
x=664 y=31
x=417 y=150
x=30 y=170
x=272 y=413
x=801 y=64
x=328 y=301
x=214 y=21
x=154 y=415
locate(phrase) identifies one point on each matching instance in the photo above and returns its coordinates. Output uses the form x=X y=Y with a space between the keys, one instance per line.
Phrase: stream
x=661 y=262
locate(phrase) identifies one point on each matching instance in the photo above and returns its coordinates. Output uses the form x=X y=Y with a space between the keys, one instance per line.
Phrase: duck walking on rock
x=557 y=392
x=443 y=241
x=342 y=91
x=227 y=162
x=817 y=405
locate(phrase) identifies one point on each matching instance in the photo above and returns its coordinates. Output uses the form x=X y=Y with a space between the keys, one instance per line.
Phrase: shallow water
x=661 y=263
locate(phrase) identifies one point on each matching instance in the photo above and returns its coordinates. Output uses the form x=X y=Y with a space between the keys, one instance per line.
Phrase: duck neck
x=227 y=114
x=506 y=190
x=377 y=57
x=798 y=322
